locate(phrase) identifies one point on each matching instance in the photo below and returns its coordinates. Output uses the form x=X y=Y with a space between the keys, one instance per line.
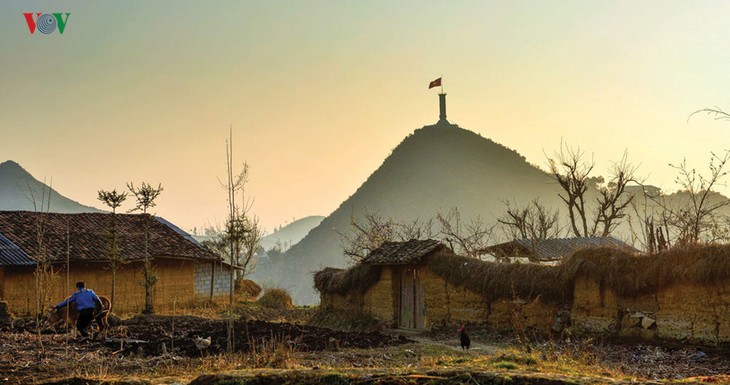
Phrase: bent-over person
x=86 y=302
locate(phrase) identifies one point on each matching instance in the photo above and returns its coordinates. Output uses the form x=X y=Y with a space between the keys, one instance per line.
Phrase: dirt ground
x=161 y=350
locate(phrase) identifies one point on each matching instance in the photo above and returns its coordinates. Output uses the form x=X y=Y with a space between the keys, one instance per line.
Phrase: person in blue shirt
x=86 y=303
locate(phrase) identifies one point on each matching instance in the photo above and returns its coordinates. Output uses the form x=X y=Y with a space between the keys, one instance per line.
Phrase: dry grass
x=357 y=279
x=248 y=288
x=276 y=298
x=631 y=275
x=499 y=280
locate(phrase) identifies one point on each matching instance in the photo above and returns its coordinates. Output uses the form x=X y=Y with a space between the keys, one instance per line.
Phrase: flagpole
x=442 y=84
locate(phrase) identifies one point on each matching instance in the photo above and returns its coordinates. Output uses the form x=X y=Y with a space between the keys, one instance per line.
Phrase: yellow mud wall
x=449 y=304
x=379 y=301
x=2 y=283
x=348 y=304
x=595 y=309
x=694 y=312
x=174 y=287
x=518 y=313
x=682 y=311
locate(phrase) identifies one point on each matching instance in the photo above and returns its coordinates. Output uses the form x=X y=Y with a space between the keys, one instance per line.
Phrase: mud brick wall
x=682 y=311
x=448 y=304
x=517 y=313
x=203 y=274
x=174 y=287
x=351 y=304
x=379 y=301
x=694 y=312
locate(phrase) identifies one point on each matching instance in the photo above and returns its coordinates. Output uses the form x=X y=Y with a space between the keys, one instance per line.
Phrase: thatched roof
x=402 y=253
x=553 y=249
x=496 y=280
x=85 y=236
x=629 y=275
x=357 y=279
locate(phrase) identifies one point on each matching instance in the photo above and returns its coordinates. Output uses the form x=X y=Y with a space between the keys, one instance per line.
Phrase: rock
x=638 y=314
x=647 y=322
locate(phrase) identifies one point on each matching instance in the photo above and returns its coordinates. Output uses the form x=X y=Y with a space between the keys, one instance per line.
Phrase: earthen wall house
x=186 y=271
x=681 y=308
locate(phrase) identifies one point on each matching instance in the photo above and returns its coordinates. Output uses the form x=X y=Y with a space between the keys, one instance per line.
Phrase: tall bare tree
x=43 y=273
x=573 y=173
x=243 y=233
x=113 y=200
x=145 y=196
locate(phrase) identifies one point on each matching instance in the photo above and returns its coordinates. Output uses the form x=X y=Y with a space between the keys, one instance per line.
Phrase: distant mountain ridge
x=292 y=233
x=18 y=188
x=436 y=168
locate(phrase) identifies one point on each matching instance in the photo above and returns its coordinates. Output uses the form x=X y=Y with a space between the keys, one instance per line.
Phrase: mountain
x=436 y=168
x=292 y=233
x=18 y=188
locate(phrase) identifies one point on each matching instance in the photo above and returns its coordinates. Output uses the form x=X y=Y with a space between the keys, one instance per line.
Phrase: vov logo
x=46 y=23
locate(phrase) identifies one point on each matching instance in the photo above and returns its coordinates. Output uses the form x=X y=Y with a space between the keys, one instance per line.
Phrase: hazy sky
x=319 y=92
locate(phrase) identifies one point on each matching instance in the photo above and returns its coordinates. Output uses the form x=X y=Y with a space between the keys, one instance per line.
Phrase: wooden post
x=212 y=279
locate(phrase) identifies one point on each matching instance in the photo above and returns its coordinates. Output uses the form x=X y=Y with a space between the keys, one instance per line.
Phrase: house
x=76 y=246
x=550 y=251
x=419 y=284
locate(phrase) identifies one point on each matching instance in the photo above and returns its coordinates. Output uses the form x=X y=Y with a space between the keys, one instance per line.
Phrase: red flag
x=435 y=83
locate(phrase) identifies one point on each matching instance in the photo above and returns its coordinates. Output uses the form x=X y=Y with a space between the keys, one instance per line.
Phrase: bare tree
x=465 y=238
x=533 y=221
x=145 y=196
x=693 y=215
x=717 y=113
x=370 y=231
x=43 y=273
x=367 y=234
x=113 y=200
x=243 y=233
x=573 y=174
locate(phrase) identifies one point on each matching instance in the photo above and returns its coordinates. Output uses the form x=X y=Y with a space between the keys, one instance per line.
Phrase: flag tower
x=442 y=99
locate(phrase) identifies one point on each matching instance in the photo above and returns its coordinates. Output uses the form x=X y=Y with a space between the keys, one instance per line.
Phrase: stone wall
x=204 y=272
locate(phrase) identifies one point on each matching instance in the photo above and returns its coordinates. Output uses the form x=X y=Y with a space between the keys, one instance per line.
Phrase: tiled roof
x=86 y=236
x=12 y=255
x=554 y=249
x=402 y=253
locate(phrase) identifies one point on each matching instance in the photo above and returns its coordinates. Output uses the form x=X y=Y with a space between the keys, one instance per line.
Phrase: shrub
x=248 y=288
x=276 y=298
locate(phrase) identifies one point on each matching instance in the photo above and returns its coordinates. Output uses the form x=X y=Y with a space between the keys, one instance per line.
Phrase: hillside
x=292 y=233
x=17 y=186
x=436 y=168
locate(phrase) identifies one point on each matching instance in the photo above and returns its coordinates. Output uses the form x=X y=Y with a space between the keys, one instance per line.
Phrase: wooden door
x=412 y=306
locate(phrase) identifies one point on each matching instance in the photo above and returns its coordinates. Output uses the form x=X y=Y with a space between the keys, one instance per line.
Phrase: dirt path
x=477 y=346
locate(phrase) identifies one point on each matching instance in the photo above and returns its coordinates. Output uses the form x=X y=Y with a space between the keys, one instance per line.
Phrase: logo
x=46 y=23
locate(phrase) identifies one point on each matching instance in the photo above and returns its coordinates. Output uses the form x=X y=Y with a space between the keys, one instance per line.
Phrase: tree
x=693 y=214
x=370 y=231
x=145 y=196
x=533 y=223
x=573 y=174
x=113 y=200
x=465 y=238
x=243 y=233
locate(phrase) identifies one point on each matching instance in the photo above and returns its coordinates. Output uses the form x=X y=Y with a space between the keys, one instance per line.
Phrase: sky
x=318 y=93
